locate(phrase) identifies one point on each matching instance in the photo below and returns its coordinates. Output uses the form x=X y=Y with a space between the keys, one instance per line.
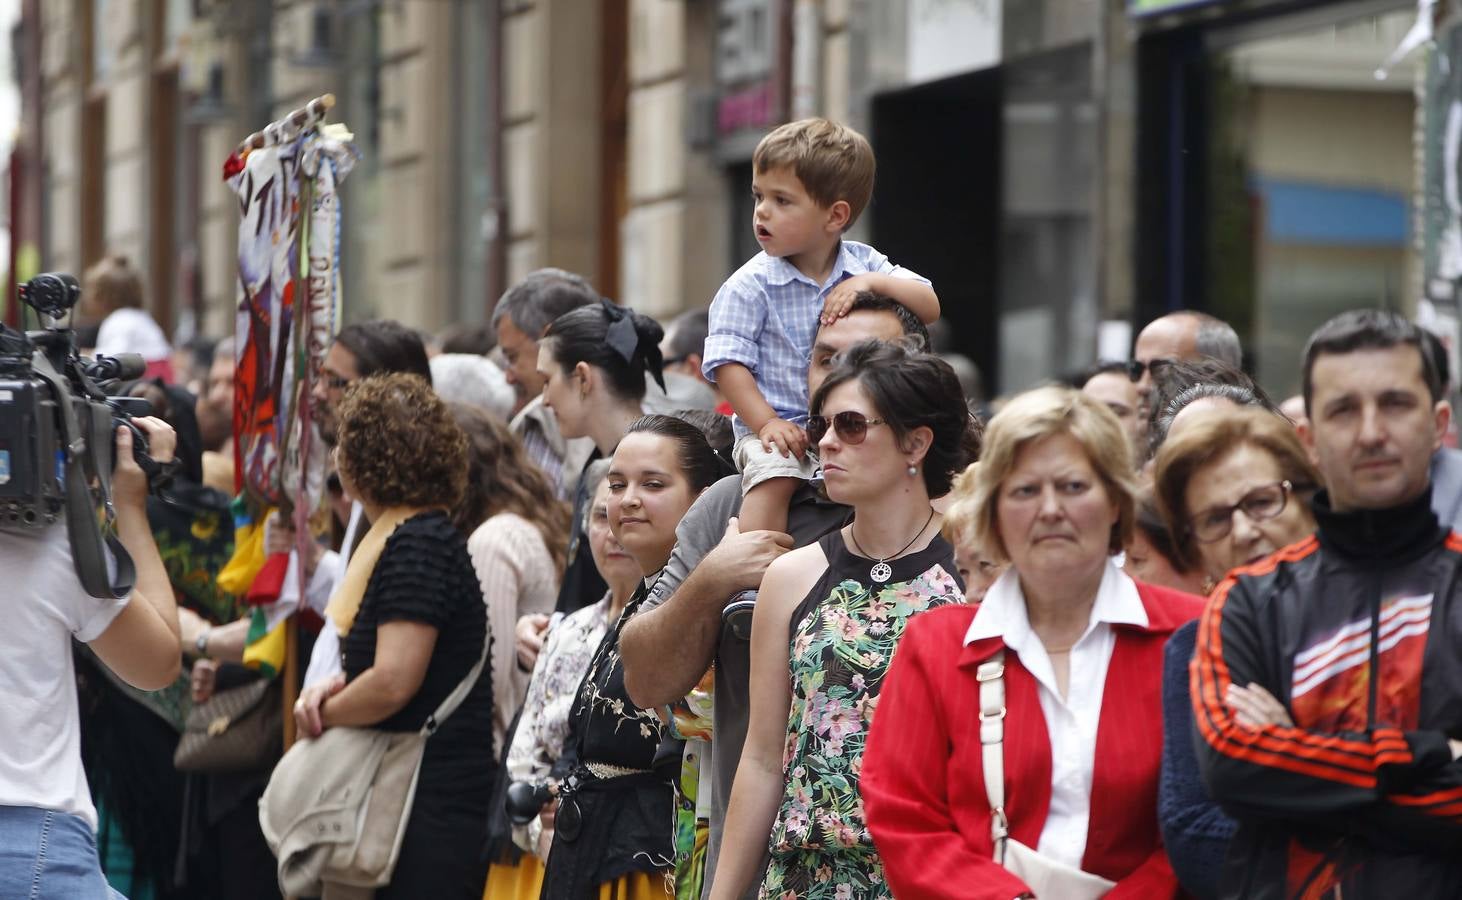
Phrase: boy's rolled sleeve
x=877 y=262
x=737 y=318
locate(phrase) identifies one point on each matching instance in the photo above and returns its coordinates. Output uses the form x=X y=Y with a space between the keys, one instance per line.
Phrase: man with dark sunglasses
x=1179 y=336
x=680 y=631
x=1327 y=679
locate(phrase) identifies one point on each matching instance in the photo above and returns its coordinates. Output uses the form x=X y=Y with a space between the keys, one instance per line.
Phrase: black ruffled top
x=425 y=575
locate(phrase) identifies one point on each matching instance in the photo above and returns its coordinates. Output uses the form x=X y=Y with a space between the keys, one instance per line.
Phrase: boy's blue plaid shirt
x=765 y=318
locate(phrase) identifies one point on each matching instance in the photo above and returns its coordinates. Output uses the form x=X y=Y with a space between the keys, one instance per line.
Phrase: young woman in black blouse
x=613 y=826
x=418 y=630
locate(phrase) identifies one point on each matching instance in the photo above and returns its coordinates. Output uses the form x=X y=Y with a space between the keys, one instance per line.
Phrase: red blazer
x=923 y=785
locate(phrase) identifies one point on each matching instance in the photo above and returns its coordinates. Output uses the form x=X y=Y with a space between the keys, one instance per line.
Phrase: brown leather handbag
x=235 y=730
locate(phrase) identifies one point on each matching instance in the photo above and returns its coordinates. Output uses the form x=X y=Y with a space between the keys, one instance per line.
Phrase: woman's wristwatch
x=200 y=643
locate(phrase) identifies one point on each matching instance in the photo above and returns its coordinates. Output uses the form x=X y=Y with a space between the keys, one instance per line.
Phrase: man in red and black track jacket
x=1327 y=680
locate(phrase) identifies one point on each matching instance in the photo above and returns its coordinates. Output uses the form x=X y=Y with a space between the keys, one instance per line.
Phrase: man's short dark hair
x=542 y=296
x=687 y=335
x=1369 y=329
x=868 y=300
x=385 y=345
x=477 y=339
x=1438 y=351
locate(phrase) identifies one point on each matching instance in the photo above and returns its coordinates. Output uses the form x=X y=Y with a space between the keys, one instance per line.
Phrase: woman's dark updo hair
x=698 y=462
x=616 y=340
x=910 y=389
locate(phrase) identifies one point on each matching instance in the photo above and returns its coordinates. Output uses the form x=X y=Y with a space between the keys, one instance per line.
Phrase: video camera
x=58 y=426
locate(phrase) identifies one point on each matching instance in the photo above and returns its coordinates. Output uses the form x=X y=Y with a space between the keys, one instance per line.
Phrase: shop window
x=1310 y=174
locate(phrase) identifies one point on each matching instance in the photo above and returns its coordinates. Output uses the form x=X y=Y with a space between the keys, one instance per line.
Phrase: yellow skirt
x=524 y=881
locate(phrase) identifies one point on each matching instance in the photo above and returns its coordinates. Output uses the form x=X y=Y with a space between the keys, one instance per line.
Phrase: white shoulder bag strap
x=459 y=693
x=991 y=676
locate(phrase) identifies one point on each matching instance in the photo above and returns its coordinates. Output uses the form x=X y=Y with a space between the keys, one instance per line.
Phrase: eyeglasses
x=851 y=427
x=1260 y=505
x=1136 y=367
x=335 y=382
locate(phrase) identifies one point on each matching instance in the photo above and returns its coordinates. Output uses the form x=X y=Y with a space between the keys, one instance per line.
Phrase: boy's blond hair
x=832 y=161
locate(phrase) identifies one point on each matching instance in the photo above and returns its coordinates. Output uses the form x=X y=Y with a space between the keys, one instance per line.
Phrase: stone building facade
x=614 y=137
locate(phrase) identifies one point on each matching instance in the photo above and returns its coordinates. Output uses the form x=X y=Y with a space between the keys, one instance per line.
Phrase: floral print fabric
x=840 y=651
x=544 y=725
x=690 y=721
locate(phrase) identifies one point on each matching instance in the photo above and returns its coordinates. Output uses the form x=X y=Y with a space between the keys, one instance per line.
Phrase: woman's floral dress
x=843 y=640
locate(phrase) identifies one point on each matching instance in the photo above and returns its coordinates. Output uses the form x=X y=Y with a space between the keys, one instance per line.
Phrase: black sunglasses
x=1136 y=367
x=851 y=427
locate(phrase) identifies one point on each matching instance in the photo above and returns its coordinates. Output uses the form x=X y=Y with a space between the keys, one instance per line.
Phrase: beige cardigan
x=518 y=577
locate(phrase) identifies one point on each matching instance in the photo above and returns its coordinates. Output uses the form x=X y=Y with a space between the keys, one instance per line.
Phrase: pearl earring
x=913 y=470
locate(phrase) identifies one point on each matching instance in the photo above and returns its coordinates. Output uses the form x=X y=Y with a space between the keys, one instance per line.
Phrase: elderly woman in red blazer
x=1082 y=647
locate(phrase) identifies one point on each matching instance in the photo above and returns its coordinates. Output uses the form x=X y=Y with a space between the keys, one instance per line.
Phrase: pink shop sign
x=747 y=108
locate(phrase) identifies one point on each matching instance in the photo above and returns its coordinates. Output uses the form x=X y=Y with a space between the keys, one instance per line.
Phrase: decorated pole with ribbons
x=289 y=308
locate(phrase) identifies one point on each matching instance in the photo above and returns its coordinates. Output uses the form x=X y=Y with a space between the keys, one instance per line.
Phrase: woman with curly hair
x=413 y=625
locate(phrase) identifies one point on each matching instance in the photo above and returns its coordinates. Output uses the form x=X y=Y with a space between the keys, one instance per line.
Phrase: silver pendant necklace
x=881 y=570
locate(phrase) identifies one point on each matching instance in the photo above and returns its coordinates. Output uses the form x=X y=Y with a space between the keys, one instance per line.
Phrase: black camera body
x=58 y=427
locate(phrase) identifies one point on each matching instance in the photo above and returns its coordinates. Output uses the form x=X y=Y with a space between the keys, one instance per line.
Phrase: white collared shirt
x=1071 y=722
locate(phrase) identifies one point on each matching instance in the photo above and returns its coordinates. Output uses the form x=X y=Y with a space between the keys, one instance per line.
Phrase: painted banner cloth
x=289 y=302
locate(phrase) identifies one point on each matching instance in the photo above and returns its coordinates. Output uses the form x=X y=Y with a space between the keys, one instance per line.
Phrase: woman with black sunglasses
x=892 y=430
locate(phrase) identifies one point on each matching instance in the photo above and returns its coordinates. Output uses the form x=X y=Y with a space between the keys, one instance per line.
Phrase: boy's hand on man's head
x=840 y=299
x=783 y=436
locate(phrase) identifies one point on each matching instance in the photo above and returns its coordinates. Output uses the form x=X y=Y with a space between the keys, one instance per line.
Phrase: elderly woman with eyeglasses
x=1232 y=485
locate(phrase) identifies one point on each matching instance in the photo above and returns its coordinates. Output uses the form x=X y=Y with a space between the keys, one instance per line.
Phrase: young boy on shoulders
x=811 y=179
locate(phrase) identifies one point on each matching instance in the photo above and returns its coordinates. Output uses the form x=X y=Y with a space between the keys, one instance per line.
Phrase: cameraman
x=47 y=822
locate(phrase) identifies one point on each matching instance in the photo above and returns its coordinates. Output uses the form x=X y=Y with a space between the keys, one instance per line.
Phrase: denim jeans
x=47 y=854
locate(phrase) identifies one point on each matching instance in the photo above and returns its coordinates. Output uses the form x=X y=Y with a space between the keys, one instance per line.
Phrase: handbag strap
x=459 y=693
x=991 y=676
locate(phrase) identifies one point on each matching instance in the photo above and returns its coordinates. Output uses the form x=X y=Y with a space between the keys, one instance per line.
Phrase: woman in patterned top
x=892 y=430
x=612 y=832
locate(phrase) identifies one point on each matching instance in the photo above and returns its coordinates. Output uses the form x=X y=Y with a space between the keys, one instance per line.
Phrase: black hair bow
x=624 y=339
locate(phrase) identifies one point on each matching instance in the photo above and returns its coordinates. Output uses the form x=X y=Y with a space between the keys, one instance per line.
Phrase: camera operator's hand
x=129 y=482
x=142 y=645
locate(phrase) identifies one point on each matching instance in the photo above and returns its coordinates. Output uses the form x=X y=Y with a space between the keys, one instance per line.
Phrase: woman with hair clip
x=612 y=830
x=891 y=430
x=593 y=361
